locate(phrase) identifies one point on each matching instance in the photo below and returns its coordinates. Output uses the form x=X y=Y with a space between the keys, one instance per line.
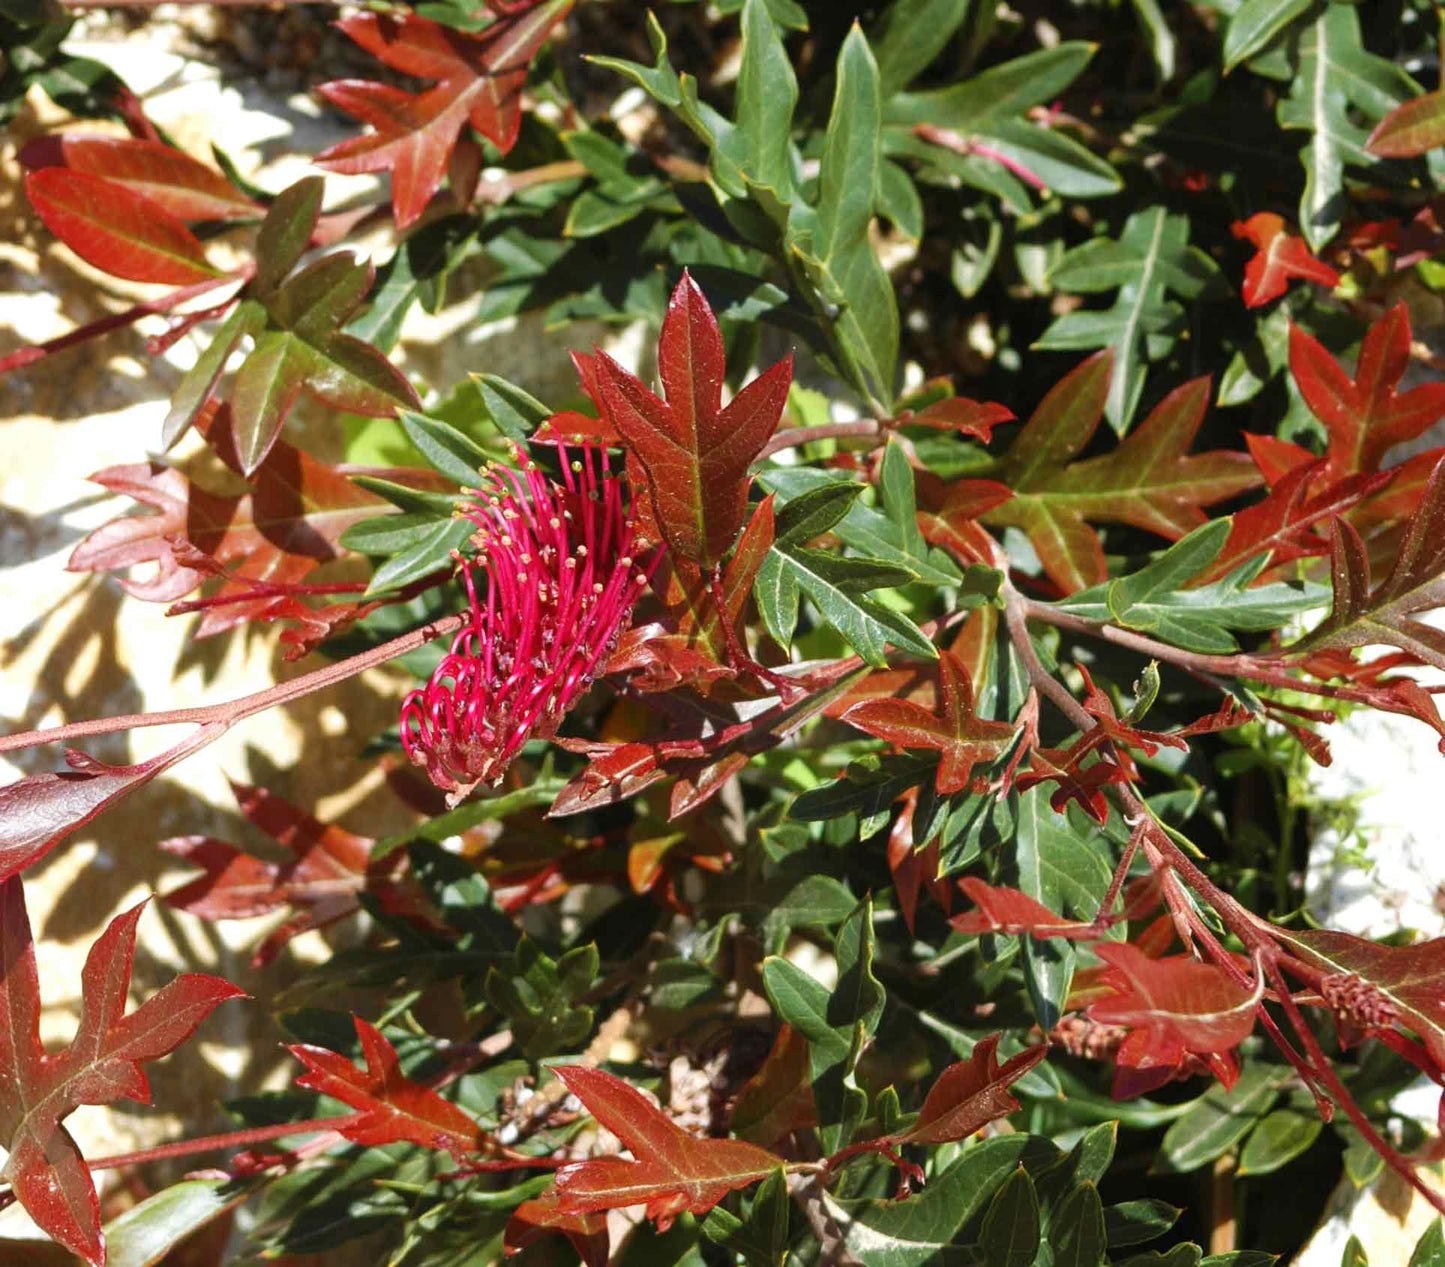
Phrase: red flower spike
x=1280 y=256
x=45 y=1169
x=1174 y=1008
x=561 y=583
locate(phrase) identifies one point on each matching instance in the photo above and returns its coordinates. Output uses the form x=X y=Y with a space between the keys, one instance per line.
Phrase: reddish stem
x=1313 y=1066
x=38 y=352
x=228 y=714
x=864 y=428
x=212 y=1143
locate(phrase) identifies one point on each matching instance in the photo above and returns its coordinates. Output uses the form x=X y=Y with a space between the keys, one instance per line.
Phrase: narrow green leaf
x=286 y=231
x=455 y=455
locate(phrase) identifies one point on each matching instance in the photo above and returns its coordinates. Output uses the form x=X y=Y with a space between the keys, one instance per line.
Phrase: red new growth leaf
x=1173 y=1007
x=332 y=867
x=970 y=1094
x=479 y=79
x=164 y=175
x=1006 y=910
x=1393 y=983
x=1284 y=524
x=958 y=413
x=1150 y=480
x=695 y=453
x=1279 y=257
x=1365 y=416
x=778 y=1099
x=543 y=1215
x=674 y=1171
x=118 y=231
x=45 y=1168
x=963 y=739
x=689 y=644
x=391 y=1108
x=287 y=526
x=1361 y=615
x=38 y=812
x=914 y=868
x=1410 y=129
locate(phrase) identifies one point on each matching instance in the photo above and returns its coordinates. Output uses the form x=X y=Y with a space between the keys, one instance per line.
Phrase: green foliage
x=806 y=751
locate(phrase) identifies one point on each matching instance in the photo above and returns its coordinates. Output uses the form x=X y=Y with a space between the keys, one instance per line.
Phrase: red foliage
x=119 y=231
x=391 y=1108
x=332 y=868
x=1173 y=1007
x=479 y=79
x=695 y=452
x=1365 y=416
x=1279 y=257
x=963 y=739
x=673 y=1171
x=38 y=1090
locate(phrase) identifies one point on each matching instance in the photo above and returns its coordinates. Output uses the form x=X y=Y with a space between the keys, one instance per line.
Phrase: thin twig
x=228 y=714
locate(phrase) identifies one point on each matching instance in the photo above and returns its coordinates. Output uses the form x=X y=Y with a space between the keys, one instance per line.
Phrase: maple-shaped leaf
x=1150 y=480
x=1174 y=1007
x=1365 y=416
x=541 y=1216
x=278 y=533
x=1280 y=255
x=390 y=1107
x=1005 y=910
x=117 y=230
x=962 y=739
x=673 y=1170
x=1363 y=615
x=479 y=79
x=1371 y=986
x=173 y=180
x=38 y=1090
x=688 y=645
x=970 y=1094
x=331 y=869
x=1284 y=525
x=695 y=452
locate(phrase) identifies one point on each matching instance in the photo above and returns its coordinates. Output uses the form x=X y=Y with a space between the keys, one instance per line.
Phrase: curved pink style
x=561 y=581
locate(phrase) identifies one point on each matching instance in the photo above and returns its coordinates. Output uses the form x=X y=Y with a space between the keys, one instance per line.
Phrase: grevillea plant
x=855 y=790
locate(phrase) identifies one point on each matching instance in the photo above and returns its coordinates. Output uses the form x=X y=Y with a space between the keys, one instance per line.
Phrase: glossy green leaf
x=1281 y=1137
x=1063 y=862
x=1254 y=24
x=1078 y=1237
x=1010 y=1235
x=1151 y=258
x=1218 y=1120
x=837 y=1023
